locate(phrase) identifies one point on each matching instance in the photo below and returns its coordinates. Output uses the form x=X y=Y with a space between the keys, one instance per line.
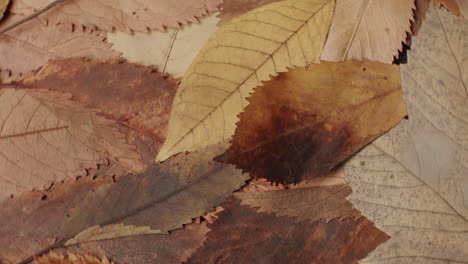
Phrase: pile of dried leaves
x=235 y=131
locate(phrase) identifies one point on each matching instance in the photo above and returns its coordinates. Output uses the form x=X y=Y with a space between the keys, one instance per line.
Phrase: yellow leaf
x=240 y=55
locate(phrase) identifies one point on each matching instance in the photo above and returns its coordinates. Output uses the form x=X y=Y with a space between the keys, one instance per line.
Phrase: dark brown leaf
x=311 y=120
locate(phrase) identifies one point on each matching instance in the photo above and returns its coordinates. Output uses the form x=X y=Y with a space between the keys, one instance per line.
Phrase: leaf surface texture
x=237 y=58
x=46 y=138
x=412 y=182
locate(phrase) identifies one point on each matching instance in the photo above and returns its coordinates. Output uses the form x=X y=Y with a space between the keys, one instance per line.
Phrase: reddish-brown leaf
x=232 y=8
x=33 y=44
x=305 y=122
x=137 y=15
x=46 y=138
x=177 y=247
x=165 y=197
x=242 y=235
x=137 y=97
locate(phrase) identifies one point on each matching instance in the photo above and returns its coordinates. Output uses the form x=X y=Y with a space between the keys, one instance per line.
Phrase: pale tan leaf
x=32 y=45
x=171 y=51
x=137 y=15
x=3 y=7
x=46 y=138
x=320 y=199
x=96 y=233
x=240 y=55
x=56 y=258
x=368 y=29
x=413 y=181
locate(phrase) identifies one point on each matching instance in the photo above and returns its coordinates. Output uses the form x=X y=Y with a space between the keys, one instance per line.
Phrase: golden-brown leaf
x=55 y=258
x=137 y=15
x=304 y=122
x=413 y=181
x=368 y=29
x=46 y=138
x=240 y=55
x=171 y=51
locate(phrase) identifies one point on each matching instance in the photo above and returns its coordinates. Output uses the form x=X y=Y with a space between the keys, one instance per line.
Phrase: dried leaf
x=368 y=29
x=138 y=98
x=171 y=51
x=54 y=258
x=237 y=57
x=31 y=45
x=46 y=138
x=108 y=15
x=230 y=9
x=458 y=7
x=3 y=7
x=323 y=199
x=177 y=247
x=412 y=182
x=47 y=208
x=96 y=233
x=164 y=198
x=241 y=235
x=306 y=121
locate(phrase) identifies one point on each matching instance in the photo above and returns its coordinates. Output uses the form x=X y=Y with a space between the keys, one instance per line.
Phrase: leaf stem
x=17 y=23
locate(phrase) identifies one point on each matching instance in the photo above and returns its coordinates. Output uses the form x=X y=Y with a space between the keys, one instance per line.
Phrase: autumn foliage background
x=235 y=131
